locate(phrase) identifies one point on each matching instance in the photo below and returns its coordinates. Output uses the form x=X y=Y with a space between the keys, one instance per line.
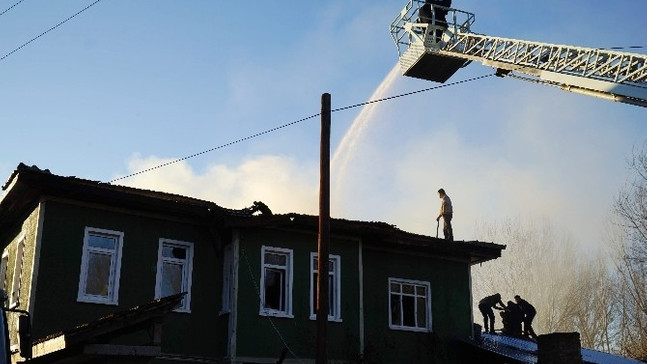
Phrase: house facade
x=75 y=251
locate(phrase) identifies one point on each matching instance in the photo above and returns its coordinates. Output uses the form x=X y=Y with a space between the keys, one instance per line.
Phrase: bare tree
x=592 y=308
x=571 y=290
x=631 y=212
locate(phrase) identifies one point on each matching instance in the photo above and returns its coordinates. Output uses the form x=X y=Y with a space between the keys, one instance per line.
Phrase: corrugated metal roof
x=525 y=351
x=598 y=357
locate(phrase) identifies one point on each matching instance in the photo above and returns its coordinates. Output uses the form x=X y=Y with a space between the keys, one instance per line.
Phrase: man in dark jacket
x=529 y=313
x=439 y=13
x=512 y=318
x=441 y=9
x=485 y=306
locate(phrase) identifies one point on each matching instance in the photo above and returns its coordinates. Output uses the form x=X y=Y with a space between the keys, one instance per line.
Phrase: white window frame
x=187 y=270
x=421 y=327
x=335 y=289
x=4 y=263
x=287 y=286
x=14 y=299
x=112 y=298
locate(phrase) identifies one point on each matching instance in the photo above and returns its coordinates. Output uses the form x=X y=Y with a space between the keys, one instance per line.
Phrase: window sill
x=276 y=314
x=96 y=301
x=330 y=318
x=409 y=329
x=181 y=310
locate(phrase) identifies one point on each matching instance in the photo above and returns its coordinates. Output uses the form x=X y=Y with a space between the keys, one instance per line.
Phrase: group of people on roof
x=513 y=315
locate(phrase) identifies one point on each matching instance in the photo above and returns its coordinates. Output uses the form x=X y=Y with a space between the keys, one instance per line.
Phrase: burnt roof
x=67 y=344
x=118 y=320
x=28 y=184
x=375 y=234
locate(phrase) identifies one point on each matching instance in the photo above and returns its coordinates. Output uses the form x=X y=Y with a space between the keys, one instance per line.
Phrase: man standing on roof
x=529 y=313
x=446 y=212
x=485 y=306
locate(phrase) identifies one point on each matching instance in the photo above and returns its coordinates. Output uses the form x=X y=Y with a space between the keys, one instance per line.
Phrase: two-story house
x=93 y=262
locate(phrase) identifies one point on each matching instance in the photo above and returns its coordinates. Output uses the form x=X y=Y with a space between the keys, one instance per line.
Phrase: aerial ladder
x=435 y=47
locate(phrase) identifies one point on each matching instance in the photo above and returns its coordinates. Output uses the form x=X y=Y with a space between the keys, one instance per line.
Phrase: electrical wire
x=48 y=30
x=11 y=7
x=413 y=92
x=297 y=122
x=627 y=47
x=216 y=148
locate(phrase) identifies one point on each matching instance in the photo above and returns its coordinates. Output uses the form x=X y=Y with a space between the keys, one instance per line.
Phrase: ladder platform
x=433 y=67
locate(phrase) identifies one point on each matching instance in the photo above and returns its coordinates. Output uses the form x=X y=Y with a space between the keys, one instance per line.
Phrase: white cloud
x=280 y=182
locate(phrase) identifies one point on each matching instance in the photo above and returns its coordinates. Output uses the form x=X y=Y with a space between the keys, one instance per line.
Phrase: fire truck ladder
x=434 y=51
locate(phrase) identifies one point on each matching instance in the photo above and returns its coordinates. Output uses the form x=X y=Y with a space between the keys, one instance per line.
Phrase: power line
x=299 y=121
x=626 y=47
x=11 y=7
x=216 y=148
x=48 y=30
x=413 y=92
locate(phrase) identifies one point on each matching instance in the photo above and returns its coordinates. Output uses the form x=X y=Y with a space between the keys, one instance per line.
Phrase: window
x=3 y=270
x=174 y=271
x=14 y=300
x=334 y=291
x=100 y=266
x=409 y=305
x=276 y=282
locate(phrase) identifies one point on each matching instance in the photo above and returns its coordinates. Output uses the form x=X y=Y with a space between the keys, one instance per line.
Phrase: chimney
x=559 y=348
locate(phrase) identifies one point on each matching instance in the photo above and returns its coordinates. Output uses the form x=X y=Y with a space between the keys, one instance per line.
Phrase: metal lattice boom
x=429 y=54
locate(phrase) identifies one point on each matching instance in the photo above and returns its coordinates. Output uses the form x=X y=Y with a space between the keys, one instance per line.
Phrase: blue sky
x=127 y=85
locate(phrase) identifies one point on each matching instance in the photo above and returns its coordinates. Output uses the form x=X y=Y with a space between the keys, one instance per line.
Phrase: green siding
x=56 y=306
x=257 y=337
x=203 y=332
x=450 y=305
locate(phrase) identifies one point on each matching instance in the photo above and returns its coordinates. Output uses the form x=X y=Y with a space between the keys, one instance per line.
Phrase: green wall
x=56 y=306
x=203 y=332
x=256 y=336
x=450 y=305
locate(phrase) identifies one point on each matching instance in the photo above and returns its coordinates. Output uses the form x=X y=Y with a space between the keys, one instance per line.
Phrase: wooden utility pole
x=324 y=231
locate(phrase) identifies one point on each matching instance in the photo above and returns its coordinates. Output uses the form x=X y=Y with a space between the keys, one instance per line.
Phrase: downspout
x=233 y=316
x=361 y=296
x=471 y=306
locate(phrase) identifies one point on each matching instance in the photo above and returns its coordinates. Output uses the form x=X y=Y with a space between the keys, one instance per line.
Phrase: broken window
x=276 y=287
x=100 y=266
x=3 y=269
x=174 y=269
x=334 y=290
x=409 y=305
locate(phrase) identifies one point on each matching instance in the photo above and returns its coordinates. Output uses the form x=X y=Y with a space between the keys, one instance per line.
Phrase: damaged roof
x=103 y=329
x=29 y=184
x=376 y=234
x=521 y=351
